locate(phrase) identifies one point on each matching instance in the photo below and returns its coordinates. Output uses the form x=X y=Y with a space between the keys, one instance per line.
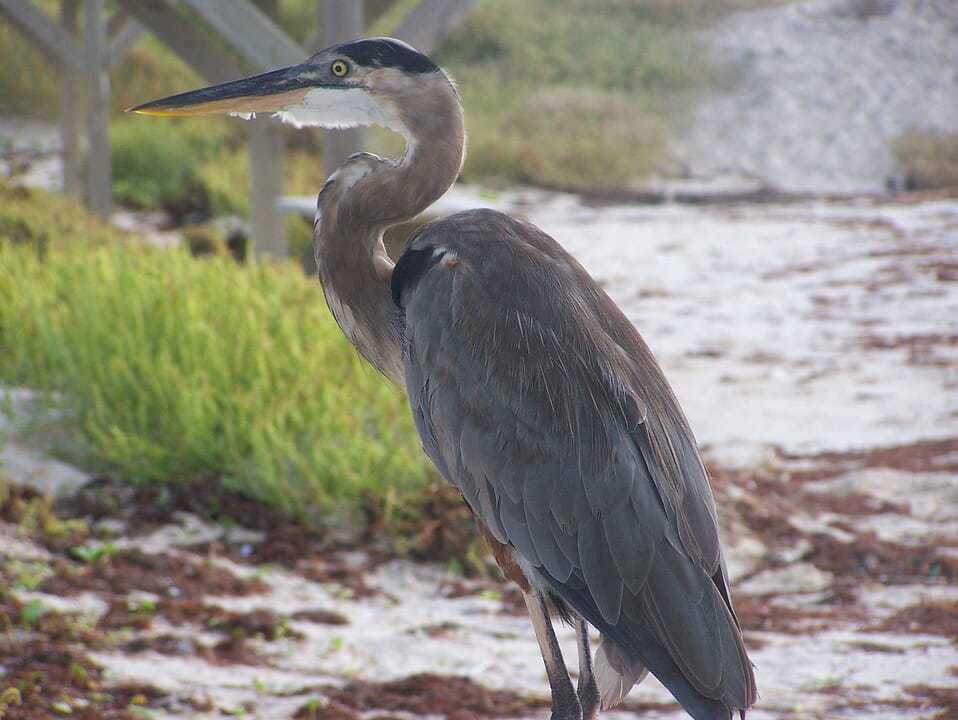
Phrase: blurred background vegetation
x=175 y=368
x=552 y=89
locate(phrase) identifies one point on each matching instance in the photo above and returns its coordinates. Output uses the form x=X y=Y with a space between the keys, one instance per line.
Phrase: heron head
x=363 y=82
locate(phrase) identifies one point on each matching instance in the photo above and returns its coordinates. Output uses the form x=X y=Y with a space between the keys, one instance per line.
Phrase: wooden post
x=268 y=224
x=430 y=21
x=340 y=21
x=249 y=32
x=59 y=47
x=185 y=38
x=70 y=110
x=124 y=32
x=99 y=179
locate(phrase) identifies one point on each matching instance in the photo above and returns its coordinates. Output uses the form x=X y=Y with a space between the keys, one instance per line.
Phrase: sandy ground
x=815 y=349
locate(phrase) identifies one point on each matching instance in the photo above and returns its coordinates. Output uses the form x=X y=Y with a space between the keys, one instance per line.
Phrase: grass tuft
x=160 y=164
x=603 y=150
x=928 y=160
x=42 y=220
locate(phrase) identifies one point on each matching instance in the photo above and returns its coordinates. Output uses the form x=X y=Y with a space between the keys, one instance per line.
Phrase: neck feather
x=366 y=196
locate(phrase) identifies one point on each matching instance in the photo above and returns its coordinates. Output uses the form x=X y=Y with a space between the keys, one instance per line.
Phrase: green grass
x=179 y=369
x=43 y=221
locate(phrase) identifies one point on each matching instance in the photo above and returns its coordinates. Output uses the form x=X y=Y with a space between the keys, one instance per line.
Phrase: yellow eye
x=339 y=68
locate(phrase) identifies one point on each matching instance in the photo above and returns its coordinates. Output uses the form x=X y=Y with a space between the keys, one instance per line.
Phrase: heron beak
x=270 y=92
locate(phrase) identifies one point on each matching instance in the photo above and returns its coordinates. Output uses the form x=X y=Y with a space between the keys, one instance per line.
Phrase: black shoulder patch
x=387 y=52
x=412 y=265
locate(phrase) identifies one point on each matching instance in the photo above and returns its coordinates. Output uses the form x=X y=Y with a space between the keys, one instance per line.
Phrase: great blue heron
x=531 y=391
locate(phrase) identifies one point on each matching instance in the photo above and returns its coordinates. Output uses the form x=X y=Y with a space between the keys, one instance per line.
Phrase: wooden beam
x=267 y=221
x=249 y=32
x=340 y=21
x=430 y=21
x=267 y=147
x=185 y=39
x=99 y=194
x=71 y=110
x=53 y=42
x=124 y=33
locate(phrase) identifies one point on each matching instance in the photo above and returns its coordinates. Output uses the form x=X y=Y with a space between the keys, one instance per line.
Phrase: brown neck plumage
x=366 y=196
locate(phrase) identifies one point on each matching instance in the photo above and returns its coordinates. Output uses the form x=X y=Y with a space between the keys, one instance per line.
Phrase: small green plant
x=142 y=606
x=281 y=629
x=31 y=613
x=37 y=517
x=311 y=708
x=340 y=592
x=79 y=673
x=27 y=575
x=94 y=552
x=260 y=686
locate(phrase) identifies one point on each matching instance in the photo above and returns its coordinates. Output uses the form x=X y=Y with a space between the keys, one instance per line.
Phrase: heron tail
x=615 y=673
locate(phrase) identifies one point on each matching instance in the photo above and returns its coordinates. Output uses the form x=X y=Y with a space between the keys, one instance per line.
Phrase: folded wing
x=537 y=398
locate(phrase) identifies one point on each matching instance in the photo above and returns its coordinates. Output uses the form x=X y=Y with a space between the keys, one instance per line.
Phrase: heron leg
x=565 y=702
x=587 y=689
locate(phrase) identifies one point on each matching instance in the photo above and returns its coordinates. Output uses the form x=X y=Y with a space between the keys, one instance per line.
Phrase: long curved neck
x=366 y=196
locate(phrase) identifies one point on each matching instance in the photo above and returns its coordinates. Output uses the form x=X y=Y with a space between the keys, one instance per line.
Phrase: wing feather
x=549 y=549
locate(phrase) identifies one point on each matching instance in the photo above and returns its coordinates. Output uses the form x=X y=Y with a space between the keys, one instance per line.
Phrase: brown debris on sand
x=926 y=618
x=46 y=671
x=321 y=617
x=261 y=623
x=771 y=498
x=454 y=698
x=920 y=456
x=232 y=650
x=930 y=696
x=167 y=575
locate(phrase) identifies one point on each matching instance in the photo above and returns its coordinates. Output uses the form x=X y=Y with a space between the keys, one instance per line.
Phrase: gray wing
x=539 y=401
